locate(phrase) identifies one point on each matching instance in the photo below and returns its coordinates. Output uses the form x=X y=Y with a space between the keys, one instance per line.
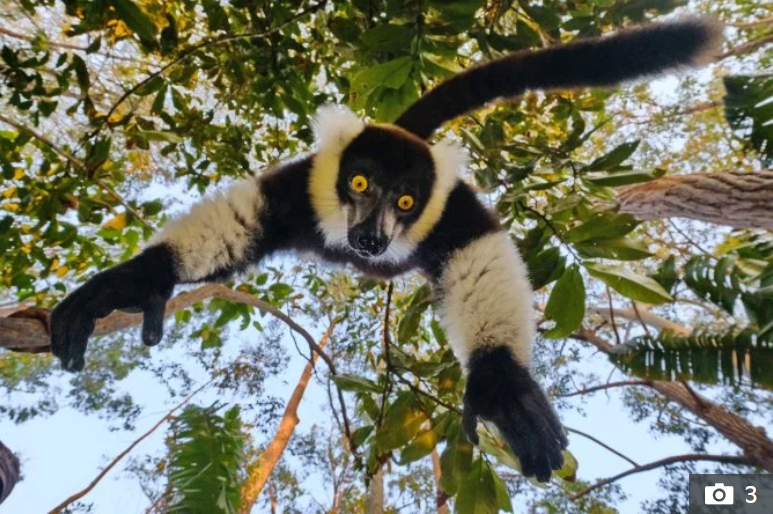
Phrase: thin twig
x=612 y=317
x=748 y=47
x=80 y=494
x=602 y=444
x=603 y=387
x=695 y=457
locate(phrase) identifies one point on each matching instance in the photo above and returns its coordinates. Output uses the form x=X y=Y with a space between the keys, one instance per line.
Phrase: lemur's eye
x=405 y=202
x=359 y=183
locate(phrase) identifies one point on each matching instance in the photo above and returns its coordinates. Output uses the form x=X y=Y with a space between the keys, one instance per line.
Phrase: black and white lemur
x=381 y=198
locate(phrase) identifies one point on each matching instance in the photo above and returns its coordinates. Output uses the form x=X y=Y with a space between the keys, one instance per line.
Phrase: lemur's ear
x=335 y=126
x=450 y=161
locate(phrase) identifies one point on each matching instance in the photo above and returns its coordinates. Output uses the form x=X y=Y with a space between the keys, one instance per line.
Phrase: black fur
x=502 y=391
x=142 y=283
x=595 y=62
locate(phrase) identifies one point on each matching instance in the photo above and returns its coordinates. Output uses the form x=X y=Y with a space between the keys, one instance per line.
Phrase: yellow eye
x=405 y=202
x=359 y=183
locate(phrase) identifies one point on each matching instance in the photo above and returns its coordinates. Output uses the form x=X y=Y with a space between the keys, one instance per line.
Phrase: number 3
x=753 y=494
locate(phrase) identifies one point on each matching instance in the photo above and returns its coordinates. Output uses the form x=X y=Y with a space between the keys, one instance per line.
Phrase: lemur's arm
x=218 y=237
x=485 y=306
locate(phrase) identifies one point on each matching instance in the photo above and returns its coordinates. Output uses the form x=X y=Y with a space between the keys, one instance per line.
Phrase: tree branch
x=80 y=494
x=30 y=333
x=736 y=199
x=606 y=386
x=693 y=457
x=650 y=319
x=602 y=444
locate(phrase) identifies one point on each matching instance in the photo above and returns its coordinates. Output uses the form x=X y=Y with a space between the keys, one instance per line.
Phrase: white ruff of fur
x=202 y=238
x=486 y=299
x=450 y=160
x=334 y=128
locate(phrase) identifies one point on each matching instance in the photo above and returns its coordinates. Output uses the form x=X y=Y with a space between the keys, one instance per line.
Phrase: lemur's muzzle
x=367 y=236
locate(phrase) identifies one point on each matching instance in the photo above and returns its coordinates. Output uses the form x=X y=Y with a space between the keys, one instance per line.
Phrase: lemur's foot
x=143 y=283
x=503 y=392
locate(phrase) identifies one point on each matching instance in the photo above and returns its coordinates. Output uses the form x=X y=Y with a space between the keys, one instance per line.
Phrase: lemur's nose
x=369 y=244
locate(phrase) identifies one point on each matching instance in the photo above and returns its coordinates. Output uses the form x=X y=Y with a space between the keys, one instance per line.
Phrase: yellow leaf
x=61 y=272
x=8 y=193
x=117 y=223
x=11 y=207
x=26 y=248
x=18 y=173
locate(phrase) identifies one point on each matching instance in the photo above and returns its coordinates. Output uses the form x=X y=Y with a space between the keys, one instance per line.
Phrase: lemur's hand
x=503 y=392
x=143 y=283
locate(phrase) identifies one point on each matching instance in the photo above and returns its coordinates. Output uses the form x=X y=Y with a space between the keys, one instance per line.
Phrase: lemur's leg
x=486 y=308
x=219 y=236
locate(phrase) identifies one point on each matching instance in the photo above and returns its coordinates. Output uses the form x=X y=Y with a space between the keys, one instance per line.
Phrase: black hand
x=502 y=391
x=144 y=283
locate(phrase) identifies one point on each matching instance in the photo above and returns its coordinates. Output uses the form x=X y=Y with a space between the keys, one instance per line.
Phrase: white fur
x=201 y=238
x=486 y=299
x=334 y=128
x=450 y=160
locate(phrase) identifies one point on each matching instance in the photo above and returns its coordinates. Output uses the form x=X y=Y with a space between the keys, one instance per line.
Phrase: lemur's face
x=384 y=182
x=377 y=190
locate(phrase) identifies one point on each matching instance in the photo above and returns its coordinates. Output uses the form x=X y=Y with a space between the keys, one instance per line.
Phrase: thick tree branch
x=80 y=494
x=736 y=199
x=693 y=457
x=260 y=470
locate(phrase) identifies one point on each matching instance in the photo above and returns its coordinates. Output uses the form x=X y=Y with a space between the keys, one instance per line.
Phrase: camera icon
x=718 y=494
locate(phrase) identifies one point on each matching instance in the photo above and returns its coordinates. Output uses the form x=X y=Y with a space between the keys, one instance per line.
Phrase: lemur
x=382 y=199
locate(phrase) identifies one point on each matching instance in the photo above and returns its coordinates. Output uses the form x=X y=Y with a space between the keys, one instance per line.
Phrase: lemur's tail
x=596 y=62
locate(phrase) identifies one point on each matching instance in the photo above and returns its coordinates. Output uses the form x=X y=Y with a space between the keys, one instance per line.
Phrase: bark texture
x=9 y=471
x=260 y=470
x=376 y=493
x=740 y=200
x=753 y=441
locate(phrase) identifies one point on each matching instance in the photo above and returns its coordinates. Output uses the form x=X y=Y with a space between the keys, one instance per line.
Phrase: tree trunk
x=376 y=493
x=440 y=496
x=740 y=200
x=261 y=468
x=754 y=442
x=9 y=471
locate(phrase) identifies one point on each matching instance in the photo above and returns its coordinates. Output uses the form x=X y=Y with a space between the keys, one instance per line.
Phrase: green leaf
x=410 y=322
x=568 y=471
x=357 y=384
x=749 y=111
x=629 y=284
x=155 y=135
x=456 y=459
x=391 y=74
x=478 y=492
x=545 y=267
x=402 y=421
x=602 y=226
x=361 y=434
x=621 y=178
x=621 y=249
x=388 y=38
x=566 y=305
x=733 y=357
x=150 y=87
x=421 y=446
x=135 y=19
x=614 y=158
